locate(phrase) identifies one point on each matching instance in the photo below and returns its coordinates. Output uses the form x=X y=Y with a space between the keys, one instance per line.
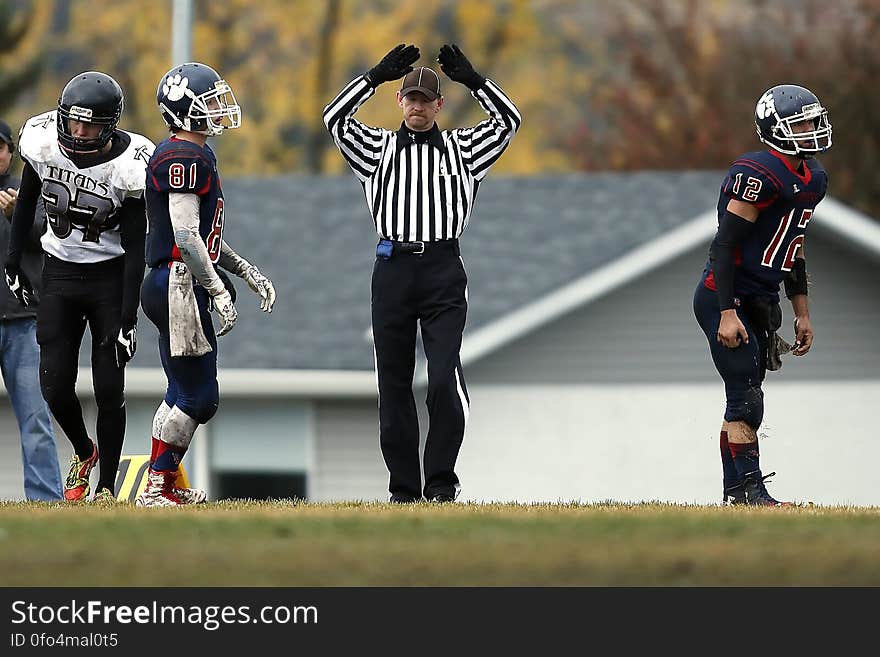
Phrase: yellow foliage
x=603 y=84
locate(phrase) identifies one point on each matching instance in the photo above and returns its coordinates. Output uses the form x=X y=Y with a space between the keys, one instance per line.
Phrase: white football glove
x=226 y=310
x=20 y=285
x=126 y=345
x=262 y=286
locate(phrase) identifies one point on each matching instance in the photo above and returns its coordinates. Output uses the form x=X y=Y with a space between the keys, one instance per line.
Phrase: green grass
x=247 y=543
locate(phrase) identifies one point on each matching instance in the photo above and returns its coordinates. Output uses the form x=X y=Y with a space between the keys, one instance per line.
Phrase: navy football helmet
x=89 y=97
x=784 y=105
x=193 y=97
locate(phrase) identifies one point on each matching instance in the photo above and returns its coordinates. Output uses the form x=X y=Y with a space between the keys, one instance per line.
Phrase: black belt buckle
x=419 y=248
x=384 y=249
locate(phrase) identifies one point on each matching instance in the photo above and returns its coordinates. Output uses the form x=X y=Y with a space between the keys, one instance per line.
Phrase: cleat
x=756 y=492
x=402 y=498
x=191 y=495
x=76 y=486
x=734 y=495
x=104 y=497
x=161 y=491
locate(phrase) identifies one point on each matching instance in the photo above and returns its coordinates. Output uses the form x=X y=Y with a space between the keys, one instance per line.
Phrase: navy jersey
x=786 y=200
x=179 y=166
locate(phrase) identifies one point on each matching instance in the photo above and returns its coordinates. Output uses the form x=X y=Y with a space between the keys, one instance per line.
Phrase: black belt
x=385 y=248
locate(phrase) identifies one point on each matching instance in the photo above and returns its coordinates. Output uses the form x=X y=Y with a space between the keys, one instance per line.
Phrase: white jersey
x=82 y=205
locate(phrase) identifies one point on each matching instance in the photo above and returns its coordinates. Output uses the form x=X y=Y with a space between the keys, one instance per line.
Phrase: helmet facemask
x=76 y=145
x=802 y=144
x=211 y=112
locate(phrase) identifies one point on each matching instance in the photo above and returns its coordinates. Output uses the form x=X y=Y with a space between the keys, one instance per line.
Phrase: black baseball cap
x=422 y=79
x=6 y=134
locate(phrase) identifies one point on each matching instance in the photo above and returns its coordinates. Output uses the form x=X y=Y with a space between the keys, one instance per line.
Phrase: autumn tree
x=601 y=84
x=20 y=62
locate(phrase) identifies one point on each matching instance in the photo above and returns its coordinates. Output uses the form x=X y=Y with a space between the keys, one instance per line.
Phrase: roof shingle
x=527 y=237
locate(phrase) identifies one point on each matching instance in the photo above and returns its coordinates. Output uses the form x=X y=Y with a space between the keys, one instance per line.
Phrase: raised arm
x=484 y=143
x=361 y=145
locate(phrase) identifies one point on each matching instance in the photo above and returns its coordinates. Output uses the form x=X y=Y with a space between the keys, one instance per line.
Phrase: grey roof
x=527 y=237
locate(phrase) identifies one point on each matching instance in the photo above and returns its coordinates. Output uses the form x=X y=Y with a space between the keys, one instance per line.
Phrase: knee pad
x=748 y=408
x=178 y=428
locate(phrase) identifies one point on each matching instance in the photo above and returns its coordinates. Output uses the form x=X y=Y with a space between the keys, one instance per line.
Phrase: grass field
x=246 y=543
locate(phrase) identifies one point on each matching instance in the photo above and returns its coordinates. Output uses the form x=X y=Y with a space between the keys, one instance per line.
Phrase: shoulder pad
x=131 y=164
x=818 y=170
x=38 y=138
x=752 y=179
x=180 y=167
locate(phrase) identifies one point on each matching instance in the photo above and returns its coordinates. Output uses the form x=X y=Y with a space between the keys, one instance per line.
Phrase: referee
x=420 y=184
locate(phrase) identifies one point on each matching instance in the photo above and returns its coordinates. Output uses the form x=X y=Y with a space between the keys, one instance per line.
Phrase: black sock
x=111 y=433
x=728 y=467
x=745 y=457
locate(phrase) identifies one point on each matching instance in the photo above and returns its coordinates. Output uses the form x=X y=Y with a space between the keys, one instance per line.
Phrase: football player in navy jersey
x=185 y=246
x=765 y=205
x=91 y=176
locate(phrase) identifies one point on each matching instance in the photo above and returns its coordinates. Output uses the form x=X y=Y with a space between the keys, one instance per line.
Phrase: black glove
x=124 y=343
x=394 y=65
x=457 y=67
x=227 y=282
x=19 y=284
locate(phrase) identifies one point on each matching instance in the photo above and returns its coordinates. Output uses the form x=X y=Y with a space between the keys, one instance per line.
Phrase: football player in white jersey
x=91 y=176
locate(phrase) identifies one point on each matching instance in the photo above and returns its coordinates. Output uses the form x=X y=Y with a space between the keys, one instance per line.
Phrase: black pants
x=431 y=289
x=740 y=368
x=75 y=294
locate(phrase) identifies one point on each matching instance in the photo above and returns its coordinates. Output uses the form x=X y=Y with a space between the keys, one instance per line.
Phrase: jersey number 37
x=88 y=212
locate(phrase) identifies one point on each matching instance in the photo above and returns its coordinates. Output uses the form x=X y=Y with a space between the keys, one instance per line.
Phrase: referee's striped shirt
x=418 y=191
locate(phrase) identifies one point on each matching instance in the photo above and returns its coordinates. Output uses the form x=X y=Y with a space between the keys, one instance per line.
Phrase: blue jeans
x=20 y=364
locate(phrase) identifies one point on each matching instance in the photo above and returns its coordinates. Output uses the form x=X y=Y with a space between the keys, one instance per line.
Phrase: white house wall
x=646 y=332
x=348 y=464
x=635 y=443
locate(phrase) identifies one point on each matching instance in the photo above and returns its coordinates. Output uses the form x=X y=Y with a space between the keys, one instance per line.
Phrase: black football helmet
x=193 y=97
x=89 y=97
x=784 y=105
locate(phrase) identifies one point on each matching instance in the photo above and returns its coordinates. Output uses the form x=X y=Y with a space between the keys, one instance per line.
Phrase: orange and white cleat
x=76 y=486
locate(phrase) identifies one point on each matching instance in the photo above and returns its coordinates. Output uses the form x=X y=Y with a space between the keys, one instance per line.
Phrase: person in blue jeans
x=19 y=353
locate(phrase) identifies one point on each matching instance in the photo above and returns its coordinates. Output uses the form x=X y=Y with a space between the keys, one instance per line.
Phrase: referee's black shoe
x=400 y=498
x=442 y=498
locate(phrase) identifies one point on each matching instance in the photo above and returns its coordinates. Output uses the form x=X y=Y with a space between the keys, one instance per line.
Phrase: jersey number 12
x=796 y=242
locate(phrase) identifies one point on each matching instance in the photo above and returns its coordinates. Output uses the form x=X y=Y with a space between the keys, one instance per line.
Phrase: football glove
x=222 y=303
x=262 y=286
x=19 y=284
x=457 y=67
x=395 y=64
x=126 y=345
